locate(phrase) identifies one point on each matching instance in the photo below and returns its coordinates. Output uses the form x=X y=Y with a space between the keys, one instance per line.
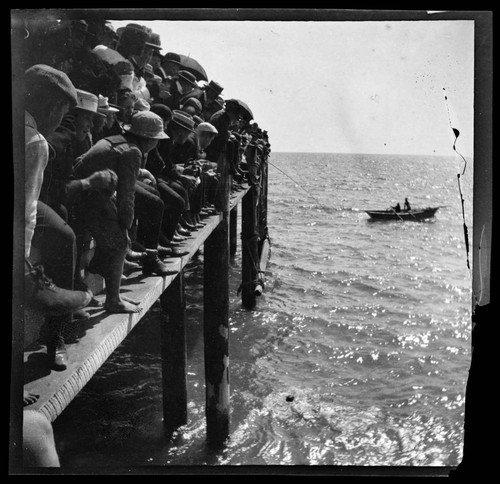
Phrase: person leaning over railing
x=49 y=94
x=109 y=216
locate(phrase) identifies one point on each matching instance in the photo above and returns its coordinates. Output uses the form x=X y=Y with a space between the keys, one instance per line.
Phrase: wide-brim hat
x=87 y=102
x=188 y=77
x=182 y=119
x=147 y=125
x=154 y=42
x=172 y=57
x=103 y=105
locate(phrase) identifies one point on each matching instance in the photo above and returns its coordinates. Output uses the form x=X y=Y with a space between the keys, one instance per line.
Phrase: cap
x=207 y=128
x=42 y=79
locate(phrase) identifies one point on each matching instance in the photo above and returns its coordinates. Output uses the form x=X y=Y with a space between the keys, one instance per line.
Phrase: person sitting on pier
x=109 y=217
x=110 y=125
x=206 y=96
x=49 y=95
x=205 y=134
x=407 y=205
x=187 y=83
x=192 y=106
x=171 y=157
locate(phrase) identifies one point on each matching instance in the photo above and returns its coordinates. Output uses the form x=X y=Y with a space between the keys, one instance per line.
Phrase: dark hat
x=154 y=41
x=215 y=86
x=192 y=101
x=42 y=79
x=148 y=125
x=134 y=31
x=80 y=25
x=189 y=77
x=219 y=102
x=172 y=57
x=197 y=120
x=183 y=119
x=161 y=110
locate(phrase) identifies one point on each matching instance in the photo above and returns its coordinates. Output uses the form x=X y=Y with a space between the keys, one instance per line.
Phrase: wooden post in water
x=173 y=355
x=249 y=234
x=233 y=231
x=216 y=318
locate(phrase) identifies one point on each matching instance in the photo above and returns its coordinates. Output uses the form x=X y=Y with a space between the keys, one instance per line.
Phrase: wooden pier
x=96 y=339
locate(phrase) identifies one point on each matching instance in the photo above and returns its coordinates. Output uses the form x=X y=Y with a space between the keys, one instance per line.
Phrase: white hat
x=86 y=101
x=103 y=105
x=207 y=127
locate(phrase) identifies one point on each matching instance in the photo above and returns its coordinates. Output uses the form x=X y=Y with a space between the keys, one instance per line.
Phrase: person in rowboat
x=407 y=205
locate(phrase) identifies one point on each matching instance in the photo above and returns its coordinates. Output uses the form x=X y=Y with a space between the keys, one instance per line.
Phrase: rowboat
x=413 y=214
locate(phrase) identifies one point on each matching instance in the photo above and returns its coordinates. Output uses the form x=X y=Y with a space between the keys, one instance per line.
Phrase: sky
x=341 y=87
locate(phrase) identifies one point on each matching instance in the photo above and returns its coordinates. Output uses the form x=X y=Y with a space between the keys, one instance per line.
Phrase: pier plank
x=96 y=339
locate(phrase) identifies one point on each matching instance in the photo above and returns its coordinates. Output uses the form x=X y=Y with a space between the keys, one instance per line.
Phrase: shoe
x=178 y=238
x=134 y=256
x=129 y=266
x=187 y=225
x=57 y=354
x=153 y=265
x=175 y=252
x=164 y=251
x=182 y=231
x=80 y=316
x=43 y=295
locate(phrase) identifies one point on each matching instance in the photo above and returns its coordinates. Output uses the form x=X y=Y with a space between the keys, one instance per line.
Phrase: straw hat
x=148 y=125
x=87 y=102
x=103 y=105
x=182 y=119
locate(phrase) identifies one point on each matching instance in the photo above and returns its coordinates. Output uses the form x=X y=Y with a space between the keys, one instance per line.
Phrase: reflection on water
x=357 y=353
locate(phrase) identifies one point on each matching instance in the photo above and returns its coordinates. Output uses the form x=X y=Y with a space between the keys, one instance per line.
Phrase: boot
x=153 y=265
x=57 y=353
x=134 y=256
x=41 y=294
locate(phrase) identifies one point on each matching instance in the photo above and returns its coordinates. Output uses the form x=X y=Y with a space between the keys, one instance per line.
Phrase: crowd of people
x=123 y=148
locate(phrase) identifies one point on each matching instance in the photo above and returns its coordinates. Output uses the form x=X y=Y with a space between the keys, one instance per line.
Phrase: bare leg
x=39 y=449
x=114 y=303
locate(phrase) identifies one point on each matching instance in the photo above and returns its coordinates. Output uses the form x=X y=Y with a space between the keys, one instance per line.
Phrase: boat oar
x=399 y=216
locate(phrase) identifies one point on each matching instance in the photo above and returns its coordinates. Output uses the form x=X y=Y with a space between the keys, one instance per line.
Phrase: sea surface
x=357 y=353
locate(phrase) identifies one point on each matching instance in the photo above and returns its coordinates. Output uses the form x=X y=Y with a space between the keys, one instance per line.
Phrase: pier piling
x=216 y=319
x=173 y=355
x=233 y=231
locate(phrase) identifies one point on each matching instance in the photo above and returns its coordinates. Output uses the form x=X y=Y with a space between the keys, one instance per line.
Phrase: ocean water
x=365 y=324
